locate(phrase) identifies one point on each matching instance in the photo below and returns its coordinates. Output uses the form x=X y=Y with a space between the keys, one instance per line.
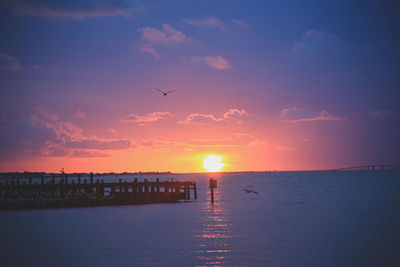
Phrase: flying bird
x=165 y=93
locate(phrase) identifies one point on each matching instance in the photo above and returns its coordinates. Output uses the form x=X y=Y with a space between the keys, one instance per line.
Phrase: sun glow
x=212 y=163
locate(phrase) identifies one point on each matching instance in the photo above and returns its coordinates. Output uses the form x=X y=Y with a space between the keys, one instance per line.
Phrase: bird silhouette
x=165 y=93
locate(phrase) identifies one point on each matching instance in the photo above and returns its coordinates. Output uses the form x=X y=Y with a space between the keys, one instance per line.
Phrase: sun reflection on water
x=215 y=235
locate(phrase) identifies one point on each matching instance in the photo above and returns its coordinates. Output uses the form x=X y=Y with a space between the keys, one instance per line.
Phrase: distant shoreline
x=26 y=173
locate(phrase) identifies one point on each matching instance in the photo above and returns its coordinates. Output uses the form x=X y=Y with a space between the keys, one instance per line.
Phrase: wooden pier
x=67 y=191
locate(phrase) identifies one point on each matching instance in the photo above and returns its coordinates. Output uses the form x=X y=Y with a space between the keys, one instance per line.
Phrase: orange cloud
x=87 y=154
x=234 y=113
x=283 y=148
x=154 y=142
x=80 y=114
x=113 y=131
x=231 y=115
x=151 y=117
x=235 y=139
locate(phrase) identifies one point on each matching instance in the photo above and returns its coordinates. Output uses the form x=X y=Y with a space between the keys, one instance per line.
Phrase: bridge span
x=371 y=168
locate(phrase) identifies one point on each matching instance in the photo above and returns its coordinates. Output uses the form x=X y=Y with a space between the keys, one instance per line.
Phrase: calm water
x=296 y=219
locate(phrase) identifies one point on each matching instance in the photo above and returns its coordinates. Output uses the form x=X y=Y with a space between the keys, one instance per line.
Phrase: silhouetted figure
x=165 y=93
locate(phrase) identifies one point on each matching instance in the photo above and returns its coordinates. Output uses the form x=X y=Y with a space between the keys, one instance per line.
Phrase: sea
x=316 y=218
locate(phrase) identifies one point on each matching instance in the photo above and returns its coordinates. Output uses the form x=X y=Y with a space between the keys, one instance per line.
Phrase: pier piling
x=212 y=184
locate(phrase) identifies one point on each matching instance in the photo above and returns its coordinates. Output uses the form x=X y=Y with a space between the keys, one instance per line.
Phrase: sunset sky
x=265 y=85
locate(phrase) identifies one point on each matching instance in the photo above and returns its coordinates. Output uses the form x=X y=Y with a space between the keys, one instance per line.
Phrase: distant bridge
x=371 y=168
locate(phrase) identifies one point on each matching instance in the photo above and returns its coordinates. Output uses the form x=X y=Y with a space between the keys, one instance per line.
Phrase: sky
x=266 y=85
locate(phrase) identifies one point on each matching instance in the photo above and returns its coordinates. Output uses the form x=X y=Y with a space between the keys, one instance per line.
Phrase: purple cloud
x=215 y=62
x=315 y=42
x=71 y=9
x=382 y=114
x=43 y=134
x=240 y=24
x=210 y=22
x=25 y=136
x=295 y=115
x=167 y=35
x=9 y=63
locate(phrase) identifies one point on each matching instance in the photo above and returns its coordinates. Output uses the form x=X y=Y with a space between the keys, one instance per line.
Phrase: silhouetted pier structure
x=67 y=191
x=371 y=168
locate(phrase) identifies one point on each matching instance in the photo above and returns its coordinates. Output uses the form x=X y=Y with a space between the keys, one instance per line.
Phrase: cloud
x=235 y=139
x=25 y=136
x=166 y=36
x=240 y=24
x=111 y=130
x=87 y=154
x=9 y=63
x=215 y=62
x=295 y=115
x=323 y=116
x=80 y=114
x=233 y=115
x=382 y=114
x=101 y=144
x=315 y=42
x=55 y=150
x=154 y=142
x=148 y=48
x=71 y=136
x=200 y=118
x=216 y=23
x=45 y=114
x=283 y=148
x=51 y=9
x=244 y=139
x=64 y=130
x=151 y=117
x=210 y=22
x=43 y=134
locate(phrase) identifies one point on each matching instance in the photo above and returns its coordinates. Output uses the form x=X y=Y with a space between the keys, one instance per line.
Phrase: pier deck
x=65 y=191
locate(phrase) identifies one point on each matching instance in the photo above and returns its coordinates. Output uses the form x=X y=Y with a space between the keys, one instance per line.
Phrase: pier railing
x=66 y=191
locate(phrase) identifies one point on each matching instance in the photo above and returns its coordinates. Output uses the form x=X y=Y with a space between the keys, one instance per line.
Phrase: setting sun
x=212 y=163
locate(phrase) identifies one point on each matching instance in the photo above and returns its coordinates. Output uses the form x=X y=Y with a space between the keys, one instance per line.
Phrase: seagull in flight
x=165 y=93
